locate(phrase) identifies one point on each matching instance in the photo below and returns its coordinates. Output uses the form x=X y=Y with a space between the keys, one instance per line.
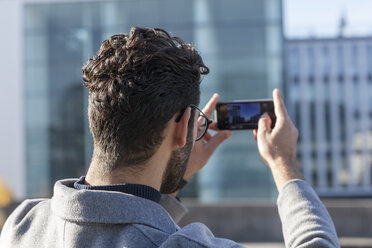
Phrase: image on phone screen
x=240 y=115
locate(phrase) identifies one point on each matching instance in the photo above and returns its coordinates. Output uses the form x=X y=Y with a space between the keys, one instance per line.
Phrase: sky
x=321 y=18
x=249 y=110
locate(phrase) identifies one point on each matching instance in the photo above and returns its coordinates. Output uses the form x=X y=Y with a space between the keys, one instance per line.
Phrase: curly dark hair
x=136 y=84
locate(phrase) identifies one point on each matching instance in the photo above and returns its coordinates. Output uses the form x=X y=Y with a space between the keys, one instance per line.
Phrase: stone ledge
x=344 y=242
x=258 y=221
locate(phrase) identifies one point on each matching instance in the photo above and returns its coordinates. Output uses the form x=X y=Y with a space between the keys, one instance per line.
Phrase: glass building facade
x=329 y=85
x=241 y=42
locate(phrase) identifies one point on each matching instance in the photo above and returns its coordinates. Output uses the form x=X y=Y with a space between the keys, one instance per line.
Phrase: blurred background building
x=329 y=86
x=241 y=41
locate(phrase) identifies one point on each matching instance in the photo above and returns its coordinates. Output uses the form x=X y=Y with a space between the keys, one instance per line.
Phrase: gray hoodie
x=94 y=218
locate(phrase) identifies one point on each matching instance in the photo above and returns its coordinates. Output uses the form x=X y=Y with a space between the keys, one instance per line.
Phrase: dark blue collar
x=139 y=190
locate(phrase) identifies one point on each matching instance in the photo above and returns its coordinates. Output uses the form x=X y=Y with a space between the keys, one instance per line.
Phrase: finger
x=213 y=126
x=211 y=105
x=255 y=134
x=216 y=140
x=264 y=126
x=207 y=136
x=279 y=107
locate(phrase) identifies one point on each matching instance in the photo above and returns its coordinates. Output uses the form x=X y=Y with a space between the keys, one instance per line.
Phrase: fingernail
x=264 y=114
x=278 y=91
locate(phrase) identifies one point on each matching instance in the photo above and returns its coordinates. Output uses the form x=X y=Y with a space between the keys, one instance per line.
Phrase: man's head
x=136 y=84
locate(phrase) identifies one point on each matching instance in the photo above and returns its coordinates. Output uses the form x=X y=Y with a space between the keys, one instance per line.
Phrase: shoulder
x=23 y=214
x=25 y=208
x=197 y=235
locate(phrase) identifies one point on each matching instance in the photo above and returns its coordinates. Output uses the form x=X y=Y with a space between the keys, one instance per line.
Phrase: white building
x=329 y=96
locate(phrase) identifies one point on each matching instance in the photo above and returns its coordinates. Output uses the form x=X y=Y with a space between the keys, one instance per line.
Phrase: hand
x=277 y=146
x=204 y=148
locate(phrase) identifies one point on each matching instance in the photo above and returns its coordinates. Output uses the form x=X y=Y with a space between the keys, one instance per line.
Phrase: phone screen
x=240 y=115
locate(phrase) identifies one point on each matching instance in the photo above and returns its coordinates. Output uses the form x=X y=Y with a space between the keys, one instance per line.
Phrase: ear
x=181 y=128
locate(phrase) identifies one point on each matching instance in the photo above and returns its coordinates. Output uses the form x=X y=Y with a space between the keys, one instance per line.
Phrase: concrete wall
x=259 y=222
x=241 y=222
x=352 y=217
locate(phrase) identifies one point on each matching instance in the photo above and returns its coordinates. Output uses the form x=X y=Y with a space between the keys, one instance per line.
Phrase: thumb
x=264 y=126
x=216 y=140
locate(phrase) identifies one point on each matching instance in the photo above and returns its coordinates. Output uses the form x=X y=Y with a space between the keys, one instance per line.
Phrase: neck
x=149 y=173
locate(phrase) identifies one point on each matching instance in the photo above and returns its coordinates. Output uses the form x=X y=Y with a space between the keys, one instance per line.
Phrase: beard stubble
x=176 y=167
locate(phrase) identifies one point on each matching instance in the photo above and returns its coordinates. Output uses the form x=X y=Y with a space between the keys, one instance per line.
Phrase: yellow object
x=5 y=195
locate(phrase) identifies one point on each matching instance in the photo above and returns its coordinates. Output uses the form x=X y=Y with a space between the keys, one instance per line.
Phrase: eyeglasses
x=203 y=121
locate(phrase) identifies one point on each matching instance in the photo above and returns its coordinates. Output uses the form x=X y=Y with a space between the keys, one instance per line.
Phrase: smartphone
x=240 y=115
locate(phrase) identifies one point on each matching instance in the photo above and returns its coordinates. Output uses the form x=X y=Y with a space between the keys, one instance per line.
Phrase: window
x=294 y=62
x=354 y=61
x=311 y=62
x=369 y=62
x=340 y=61
x=325 y=61
x=327 y=116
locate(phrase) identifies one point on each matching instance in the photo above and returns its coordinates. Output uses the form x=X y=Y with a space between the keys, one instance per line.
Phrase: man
x=149 y=139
